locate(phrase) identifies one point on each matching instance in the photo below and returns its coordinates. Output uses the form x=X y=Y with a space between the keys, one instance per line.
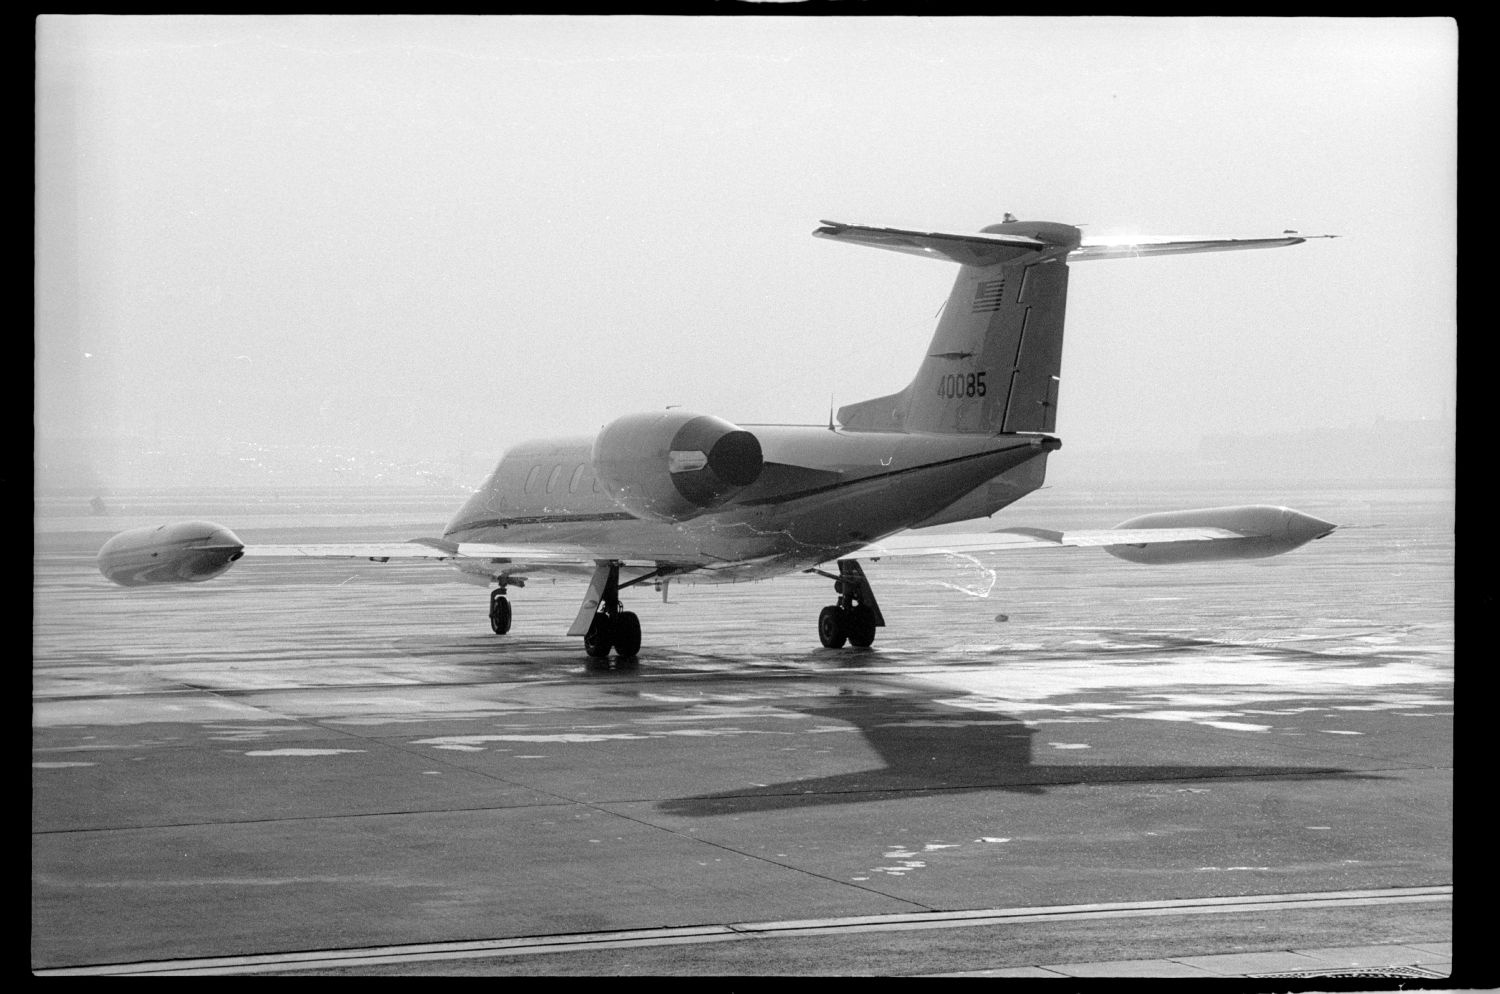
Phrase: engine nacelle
x=185 y=552
x=673 y=465
x=1266 y=530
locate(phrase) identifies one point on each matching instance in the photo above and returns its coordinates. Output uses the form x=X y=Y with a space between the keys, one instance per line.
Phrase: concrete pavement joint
x=314 y=959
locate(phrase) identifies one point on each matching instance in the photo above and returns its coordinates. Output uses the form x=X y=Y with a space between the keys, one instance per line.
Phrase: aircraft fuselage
x=821 y=494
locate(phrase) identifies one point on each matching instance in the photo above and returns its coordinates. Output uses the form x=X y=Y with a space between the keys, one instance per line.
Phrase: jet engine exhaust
x=673 y=465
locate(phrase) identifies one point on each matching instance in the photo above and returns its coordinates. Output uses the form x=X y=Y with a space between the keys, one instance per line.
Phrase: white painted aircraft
x=671 y=495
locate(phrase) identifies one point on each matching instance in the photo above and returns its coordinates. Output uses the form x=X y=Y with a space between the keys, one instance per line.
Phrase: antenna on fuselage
x=830 y=413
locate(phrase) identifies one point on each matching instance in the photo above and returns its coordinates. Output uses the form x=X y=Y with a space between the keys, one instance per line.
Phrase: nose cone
x=1304 y=527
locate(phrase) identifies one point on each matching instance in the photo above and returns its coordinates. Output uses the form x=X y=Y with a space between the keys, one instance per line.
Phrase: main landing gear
x=620 y=631
x=856 y=615
x=602 y=622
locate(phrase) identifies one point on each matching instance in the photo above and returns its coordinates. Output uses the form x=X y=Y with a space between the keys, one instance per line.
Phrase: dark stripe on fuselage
x=540 y=519
x=1048 y=445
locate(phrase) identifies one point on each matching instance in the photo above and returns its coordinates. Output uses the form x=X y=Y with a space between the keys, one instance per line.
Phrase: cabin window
x=577 y=478
x=552 y=477
x=531 y=478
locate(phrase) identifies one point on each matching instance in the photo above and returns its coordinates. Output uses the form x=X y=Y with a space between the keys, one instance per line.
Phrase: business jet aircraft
x=673 y=495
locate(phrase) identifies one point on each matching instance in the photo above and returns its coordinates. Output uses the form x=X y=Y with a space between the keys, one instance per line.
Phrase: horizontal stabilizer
x=970 y=250
x=1127 y=247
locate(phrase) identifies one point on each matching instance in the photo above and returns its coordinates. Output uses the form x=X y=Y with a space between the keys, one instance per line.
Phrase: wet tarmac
x=304 y=757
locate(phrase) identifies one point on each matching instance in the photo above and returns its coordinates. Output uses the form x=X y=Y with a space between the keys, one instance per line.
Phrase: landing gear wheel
x=856 y=616
x=610 y=627
x=859 y=624
x=831 y=627
x=596 y=642
x=499 y=613
x=625 y=633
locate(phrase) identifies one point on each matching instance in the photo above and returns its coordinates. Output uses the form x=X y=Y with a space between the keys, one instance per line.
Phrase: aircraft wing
x=193 y=551
x=1008 y=540
x=1190 y=536
x=380 y=551
x=482 y=558
x=436 y=549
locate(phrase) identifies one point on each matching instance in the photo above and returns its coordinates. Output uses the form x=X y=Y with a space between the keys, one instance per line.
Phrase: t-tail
x=995 y=362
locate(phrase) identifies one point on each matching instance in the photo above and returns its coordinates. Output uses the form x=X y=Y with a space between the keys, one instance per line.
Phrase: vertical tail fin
x=995 y=359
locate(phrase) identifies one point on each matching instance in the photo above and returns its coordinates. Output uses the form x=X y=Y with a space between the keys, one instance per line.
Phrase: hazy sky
x=455 y=233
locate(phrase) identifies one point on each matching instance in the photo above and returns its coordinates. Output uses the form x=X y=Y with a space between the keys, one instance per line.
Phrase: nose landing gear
x=500 y=614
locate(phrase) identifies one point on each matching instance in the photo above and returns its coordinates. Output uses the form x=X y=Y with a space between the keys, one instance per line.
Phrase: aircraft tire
x=596 y=642
x=500 y=614
x=625 y=633
x=860 y=627
x=831 y=627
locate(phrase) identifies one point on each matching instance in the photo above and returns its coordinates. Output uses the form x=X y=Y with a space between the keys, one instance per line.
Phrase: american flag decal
x=987 y=295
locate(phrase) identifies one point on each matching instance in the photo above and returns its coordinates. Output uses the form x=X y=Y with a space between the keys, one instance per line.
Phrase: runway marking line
x=677 y=935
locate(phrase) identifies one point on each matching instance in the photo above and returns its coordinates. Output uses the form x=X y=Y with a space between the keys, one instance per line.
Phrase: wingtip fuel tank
x=183 y=552
x=1264 y=531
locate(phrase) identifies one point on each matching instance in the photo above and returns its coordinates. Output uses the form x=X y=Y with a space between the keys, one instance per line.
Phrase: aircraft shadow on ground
x=930 y=750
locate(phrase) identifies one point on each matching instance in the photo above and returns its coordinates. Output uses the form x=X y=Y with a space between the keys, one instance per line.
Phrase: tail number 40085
x=961 y=385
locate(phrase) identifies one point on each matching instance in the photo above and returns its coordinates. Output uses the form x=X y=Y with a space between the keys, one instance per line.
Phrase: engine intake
x=674 y=465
